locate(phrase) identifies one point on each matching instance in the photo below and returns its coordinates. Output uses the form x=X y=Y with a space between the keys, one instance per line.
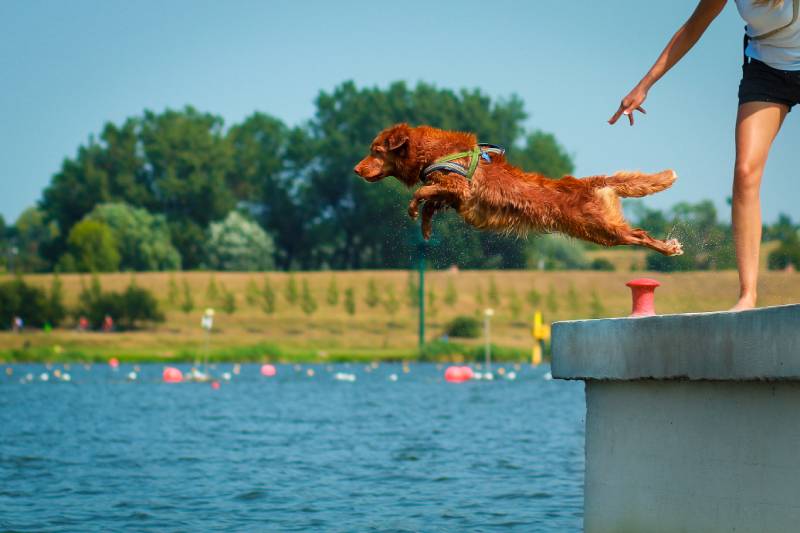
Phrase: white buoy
x=226 y=376
x=344 y=376
x=548 y=376
x=392 y=377
x=44 y=376
x=132 y=376
x=511 y=375
x=66 y=377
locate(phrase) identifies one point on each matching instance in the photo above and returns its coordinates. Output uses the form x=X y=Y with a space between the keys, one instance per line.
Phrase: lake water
x=289 y=453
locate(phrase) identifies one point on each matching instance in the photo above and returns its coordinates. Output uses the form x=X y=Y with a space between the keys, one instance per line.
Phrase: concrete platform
x=693 y=421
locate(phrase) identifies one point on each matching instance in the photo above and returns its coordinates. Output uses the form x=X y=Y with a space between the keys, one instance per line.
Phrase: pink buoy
x=113 y=362
x=172 y=375
x=268 y=370
x=643 y=294
x=458 y=374
x=215 y=385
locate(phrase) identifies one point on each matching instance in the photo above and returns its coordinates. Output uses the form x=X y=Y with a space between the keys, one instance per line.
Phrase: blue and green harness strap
x=446 y=163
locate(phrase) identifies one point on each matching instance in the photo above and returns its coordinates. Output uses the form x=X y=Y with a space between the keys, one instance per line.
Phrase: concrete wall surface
x=668 y=456
x=762 y=344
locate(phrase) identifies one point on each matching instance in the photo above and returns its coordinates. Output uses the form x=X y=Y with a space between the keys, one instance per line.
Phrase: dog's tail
x=637 y=184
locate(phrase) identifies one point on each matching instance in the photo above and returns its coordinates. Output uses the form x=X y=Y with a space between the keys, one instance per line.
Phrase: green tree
x=173 y=163
x=573 y=301
x=332 y=296
x=514 y=305
x=534 y=298
x=239 y=244
x=268 y=159
x=227 y=300
x=172 y=291
x=542 y=153
x=555 y=252
x=212 y=291
x=31 y=236
x=187 y=304
x=494 y=294
x=432 y=309
x=551 y=301
x=268 y=301
x=450 y=294
x=55 y=311
x=18 y=299
x=390 y=303
x=350 y=301
x=412 y=290
x=596 y=308
x=143 y=240
x=291 y=293
x=252 y=293
x=308 y=303
x=92 y=245
x=372 y=298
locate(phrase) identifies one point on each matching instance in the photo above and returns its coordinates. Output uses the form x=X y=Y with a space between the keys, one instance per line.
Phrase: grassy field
x=372 y=332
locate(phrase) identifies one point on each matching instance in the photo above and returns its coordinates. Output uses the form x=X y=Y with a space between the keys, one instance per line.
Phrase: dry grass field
x=330 y=329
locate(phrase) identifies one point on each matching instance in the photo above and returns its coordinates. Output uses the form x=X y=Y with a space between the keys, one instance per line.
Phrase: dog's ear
x=398 y=136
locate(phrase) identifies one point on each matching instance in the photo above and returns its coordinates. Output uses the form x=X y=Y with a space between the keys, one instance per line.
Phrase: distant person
x=83 y=323
x=108 y=324
x=17 y=324
x=770 y=86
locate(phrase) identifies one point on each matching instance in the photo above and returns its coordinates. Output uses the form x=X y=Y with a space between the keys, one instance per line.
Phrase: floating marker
x=172 y=375
x=268 y=370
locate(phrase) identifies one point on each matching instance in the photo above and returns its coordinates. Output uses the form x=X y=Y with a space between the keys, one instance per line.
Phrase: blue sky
x=69 y=67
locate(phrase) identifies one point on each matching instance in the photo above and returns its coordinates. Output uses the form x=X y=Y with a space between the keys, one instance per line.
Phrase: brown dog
x=497 y=195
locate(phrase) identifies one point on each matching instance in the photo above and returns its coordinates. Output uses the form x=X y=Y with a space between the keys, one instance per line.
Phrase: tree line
x=165 y=178
x=180 y=190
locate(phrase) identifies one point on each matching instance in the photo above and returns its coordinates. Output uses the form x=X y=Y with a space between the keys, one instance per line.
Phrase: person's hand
x=632 y=102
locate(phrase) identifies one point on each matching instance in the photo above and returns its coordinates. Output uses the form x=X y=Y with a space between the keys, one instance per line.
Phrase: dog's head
x=387 y=155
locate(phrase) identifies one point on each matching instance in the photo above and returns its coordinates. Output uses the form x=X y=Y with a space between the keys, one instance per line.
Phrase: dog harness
x=446 y=164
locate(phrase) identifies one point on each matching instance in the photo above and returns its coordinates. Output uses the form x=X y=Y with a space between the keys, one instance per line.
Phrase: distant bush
x=464 y=326
x=788 y=253
x=130 y=309
x=603 y=264
x=25 y=301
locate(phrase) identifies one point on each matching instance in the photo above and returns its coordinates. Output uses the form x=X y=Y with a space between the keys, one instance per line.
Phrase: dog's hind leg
x=640 y=237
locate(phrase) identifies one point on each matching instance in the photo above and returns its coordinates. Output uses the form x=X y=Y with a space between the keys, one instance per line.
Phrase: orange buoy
x=458 y=374
x=268 y=370
x=113 y=363
x=215 y=385
x=172 y=375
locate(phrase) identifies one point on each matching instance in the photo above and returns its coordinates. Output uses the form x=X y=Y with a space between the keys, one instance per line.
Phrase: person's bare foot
x=744 y=303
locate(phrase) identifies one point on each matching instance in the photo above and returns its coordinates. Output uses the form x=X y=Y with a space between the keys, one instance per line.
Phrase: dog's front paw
x=413 y=210
x=674 y=247
x=427 y=229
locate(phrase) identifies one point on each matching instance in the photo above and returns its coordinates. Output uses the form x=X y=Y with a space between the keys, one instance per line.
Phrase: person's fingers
x=640 y=108
x=630 y=116
x=616 y=115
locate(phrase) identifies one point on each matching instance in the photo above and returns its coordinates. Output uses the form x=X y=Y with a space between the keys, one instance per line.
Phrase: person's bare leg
x=757 y=124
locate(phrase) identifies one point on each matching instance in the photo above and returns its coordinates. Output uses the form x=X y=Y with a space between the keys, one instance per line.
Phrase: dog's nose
x=357 y=169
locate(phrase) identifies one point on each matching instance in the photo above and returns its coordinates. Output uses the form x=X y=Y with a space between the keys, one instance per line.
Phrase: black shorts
x=762 y=83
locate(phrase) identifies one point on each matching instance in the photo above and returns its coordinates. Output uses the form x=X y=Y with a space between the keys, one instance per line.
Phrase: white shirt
x=780 y=50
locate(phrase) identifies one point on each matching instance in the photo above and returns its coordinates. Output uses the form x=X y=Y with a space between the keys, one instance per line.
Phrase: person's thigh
x=757 y=124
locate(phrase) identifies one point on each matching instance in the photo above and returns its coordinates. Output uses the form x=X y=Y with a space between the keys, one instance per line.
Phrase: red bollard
x=643 y=292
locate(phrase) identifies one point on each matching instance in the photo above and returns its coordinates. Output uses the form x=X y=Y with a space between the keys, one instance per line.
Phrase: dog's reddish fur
x=502 y=197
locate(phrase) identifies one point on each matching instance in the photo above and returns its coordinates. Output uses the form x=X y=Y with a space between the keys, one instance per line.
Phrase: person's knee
x=747 y=178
